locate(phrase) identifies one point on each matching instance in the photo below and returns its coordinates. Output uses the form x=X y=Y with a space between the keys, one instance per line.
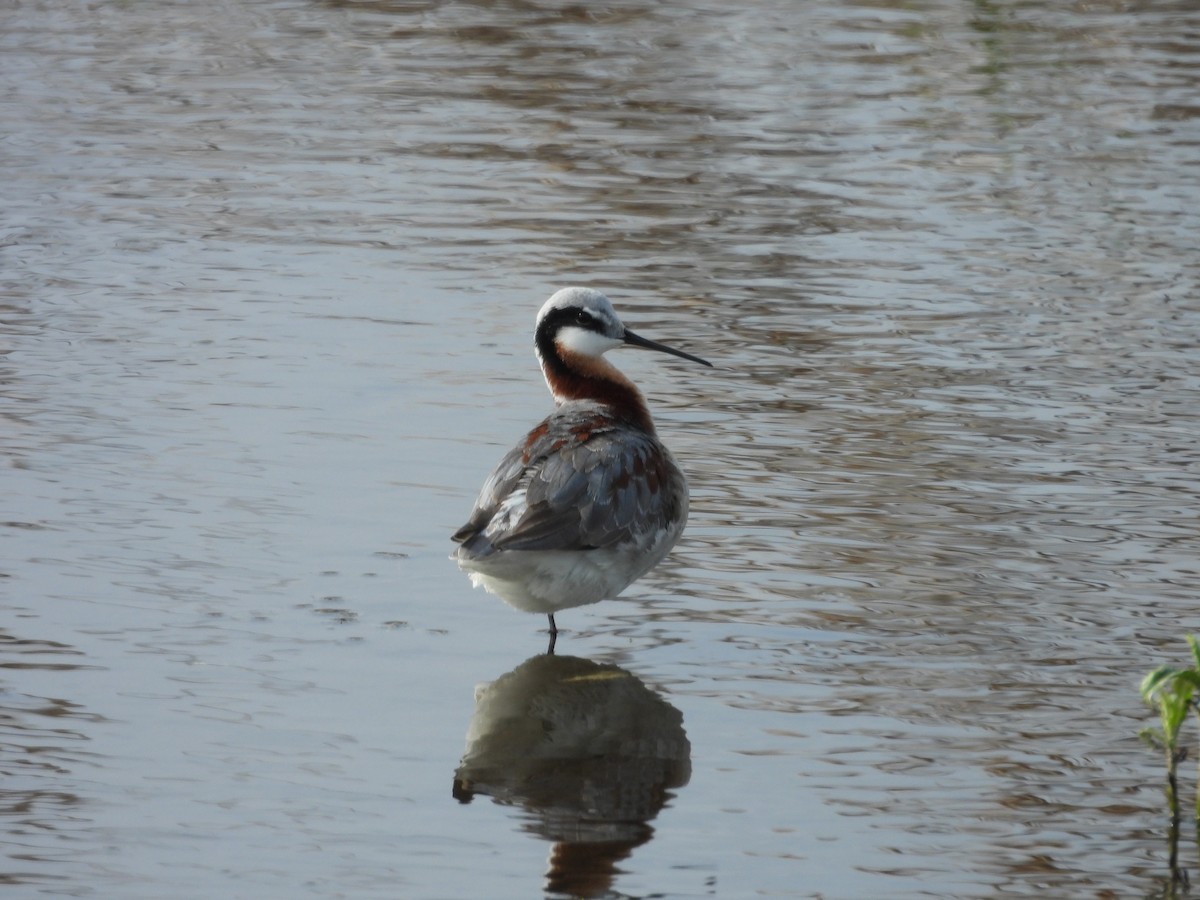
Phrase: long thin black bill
x=638 y=341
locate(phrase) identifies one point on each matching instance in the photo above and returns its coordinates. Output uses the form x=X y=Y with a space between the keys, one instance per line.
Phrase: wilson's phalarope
x=590 y=500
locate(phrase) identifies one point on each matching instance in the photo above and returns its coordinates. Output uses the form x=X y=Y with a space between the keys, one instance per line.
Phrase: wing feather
x=576 y=482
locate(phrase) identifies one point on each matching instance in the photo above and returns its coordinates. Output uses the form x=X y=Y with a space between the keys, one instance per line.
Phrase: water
x=269 y=273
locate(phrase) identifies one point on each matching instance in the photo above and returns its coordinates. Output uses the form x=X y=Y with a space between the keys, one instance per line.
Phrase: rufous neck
x=572 y=376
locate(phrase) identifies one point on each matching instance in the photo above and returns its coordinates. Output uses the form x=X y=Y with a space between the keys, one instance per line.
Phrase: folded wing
x=574 y=485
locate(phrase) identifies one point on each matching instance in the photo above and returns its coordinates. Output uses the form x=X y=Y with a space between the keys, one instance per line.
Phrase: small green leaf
x=1195 y=645
x=1157 y=680
x=1153 y=738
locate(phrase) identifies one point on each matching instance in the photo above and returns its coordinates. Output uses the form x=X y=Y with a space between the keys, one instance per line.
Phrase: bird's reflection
x=587 y=751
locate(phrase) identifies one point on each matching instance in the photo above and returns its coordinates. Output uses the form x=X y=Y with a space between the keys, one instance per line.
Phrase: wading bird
x=590 y=499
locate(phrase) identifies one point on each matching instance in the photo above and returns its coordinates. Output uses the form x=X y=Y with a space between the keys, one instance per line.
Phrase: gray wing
x=575 y=487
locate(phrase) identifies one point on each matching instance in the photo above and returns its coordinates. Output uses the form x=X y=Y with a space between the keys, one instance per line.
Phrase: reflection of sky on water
x=41 y=738
x=268 y=276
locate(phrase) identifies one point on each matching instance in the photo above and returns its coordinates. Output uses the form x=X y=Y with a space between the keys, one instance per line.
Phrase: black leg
x=553 y=636
x=553 y=627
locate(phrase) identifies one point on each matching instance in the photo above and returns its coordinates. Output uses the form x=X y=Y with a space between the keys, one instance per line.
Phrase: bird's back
x=582 y=479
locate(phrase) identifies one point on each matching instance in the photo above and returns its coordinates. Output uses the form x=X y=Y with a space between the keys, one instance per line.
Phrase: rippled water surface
x=268 y=278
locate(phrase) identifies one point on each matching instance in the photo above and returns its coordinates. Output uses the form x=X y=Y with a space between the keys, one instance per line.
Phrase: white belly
x=545 y=581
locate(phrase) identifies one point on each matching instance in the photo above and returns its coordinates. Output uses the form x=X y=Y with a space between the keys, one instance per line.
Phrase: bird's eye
x=583 y=317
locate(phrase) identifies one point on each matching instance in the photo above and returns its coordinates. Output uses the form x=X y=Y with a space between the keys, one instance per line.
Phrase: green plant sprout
x=1174 y=691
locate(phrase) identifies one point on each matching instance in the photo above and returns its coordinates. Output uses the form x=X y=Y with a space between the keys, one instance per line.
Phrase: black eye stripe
x=566 y=317
x=580 y=318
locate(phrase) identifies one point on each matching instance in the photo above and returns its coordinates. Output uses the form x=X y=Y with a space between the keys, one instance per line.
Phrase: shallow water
x=269 y=273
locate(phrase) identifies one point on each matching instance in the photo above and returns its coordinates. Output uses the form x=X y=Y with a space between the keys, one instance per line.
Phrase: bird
x=590 y=499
